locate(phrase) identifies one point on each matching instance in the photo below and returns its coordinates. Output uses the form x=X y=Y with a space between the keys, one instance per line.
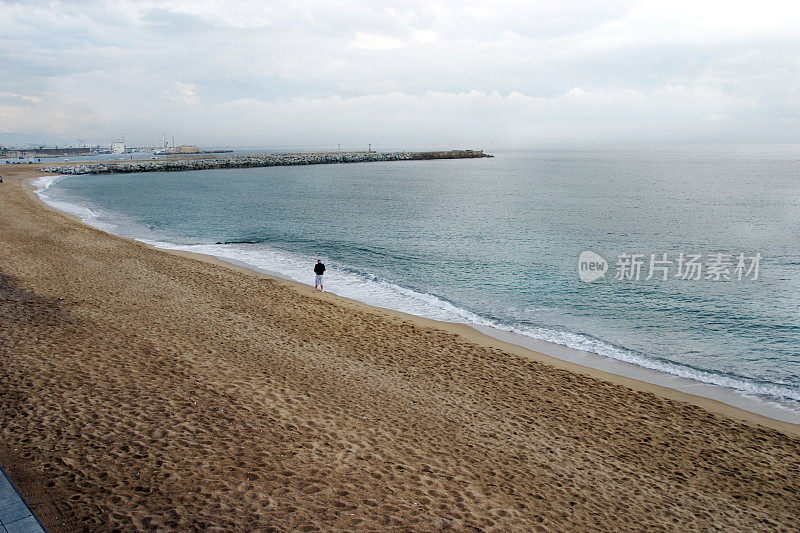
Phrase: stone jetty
x=258 y=160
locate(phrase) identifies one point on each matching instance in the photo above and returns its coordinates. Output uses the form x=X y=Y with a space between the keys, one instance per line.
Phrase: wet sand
x=141 y=389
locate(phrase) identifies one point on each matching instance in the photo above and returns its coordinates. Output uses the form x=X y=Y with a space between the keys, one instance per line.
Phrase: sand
x=141 y=389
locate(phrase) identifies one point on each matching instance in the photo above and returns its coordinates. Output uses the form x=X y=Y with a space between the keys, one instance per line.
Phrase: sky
x=411 y=74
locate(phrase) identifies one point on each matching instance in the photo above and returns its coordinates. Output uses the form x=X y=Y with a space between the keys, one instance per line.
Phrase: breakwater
x=259 y=160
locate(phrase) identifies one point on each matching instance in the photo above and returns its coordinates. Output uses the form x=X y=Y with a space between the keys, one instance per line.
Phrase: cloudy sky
x=401 y=74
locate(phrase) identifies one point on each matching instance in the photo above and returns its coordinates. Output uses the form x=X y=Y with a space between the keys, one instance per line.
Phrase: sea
x=678 y=265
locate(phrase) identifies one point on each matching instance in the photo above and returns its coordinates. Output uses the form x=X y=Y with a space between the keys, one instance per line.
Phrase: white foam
x=43 y=185
x=95 y=217
x=44 y=182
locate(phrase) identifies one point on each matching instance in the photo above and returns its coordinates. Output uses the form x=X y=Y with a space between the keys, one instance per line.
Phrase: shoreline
x=519 y=345
x=717 y=398
x=147 y=390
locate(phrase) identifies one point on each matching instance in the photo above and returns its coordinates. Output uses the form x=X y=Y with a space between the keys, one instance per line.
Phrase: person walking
x=319 y=270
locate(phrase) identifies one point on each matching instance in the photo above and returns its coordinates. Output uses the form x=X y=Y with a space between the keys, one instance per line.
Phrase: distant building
x=118 y=147
x=44 y=152
x=187 y=149
x=61 y=151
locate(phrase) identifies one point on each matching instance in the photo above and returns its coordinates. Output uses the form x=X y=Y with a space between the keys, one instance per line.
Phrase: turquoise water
x=496 y=242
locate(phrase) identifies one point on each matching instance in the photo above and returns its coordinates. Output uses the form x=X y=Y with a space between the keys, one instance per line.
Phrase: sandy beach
x=141 y=389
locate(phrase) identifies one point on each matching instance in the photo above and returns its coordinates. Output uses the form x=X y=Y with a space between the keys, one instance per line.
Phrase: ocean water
x=495 y=242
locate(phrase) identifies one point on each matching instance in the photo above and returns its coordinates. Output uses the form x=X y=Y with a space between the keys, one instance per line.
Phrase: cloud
x=182 y=92
x=373 y=41
x=424 y=36
x=476 y=117
x=20 y=97
x=512 y=71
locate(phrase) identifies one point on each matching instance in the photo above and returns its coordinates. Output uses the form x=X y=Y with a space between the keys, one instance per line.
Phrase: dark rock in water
x=261 y=160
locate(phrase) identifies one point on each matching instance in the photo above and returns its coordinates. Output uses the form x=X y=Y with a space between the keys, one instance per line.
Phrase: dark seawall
x=260 y=160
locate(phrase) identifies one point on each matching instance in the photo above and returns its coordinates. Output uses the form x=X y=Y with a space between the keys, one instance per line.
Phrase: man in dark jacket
x=319 y=270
